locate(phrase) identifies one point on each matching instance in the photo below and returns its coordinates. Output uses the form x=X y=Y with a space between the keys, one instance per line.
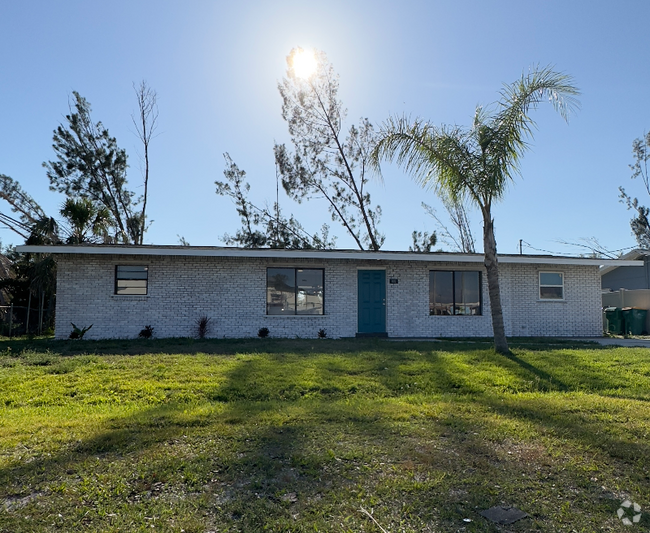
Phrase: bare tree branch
x=145 y=123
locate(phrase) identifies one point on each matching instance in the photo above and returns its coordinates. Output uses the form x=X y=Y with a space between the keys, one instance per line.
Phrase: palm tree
x=84 y=217
x=477 y=163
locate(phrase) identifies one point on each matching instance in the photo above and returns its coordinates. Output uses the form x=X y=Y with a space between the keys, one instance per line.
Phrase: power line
x=593 y=249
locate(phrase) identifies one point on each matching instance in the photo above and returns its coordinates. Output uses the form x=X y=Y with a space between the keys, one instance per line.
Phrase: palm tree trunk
x=492 y=267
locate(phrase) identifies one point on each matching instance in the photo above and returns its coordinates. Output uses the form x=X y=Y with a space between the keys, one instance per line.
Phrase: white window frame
x=540 y=285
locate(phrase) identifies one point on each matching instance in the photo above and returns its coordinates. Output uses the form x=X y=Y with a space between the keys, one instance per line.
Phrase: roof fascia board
x=190 y=251
x=240 y=252
x=634 y=254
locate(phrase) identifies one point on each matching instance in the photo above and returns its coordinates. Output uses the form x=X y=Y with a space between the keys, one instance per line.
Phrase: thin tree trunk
x=145 y=127
x=337 y=210
x=29 y=305
x=40 y=313
x=107 y=197
x=352 y=181
x=492 y=267
x=145 y=142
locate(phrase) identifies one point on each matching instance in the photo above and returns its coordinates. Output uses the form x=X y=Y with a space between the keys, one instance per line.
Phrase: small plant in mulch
x=78 y=333
x=263 y=333
x=146 y=333
x=322 y=333
x=202 y=326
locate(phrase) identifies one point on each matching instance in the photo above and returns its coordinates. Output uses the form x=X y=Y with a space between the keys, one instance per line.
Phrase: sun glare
x=303 y=63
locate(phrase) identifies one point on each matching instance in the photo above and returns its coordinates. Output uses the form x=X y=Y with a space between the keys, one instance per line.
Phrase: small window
x=131 y=279
x=454 y=293
x=294 y=291
x=551 y=286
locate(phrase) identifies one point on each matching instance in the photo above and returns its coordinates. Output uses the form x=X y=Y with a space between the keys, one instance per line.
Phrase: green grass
x=299 y=436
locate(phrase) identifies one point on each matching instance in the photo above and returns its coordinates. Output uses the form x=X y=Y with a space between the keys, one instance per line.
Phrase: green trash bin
x=634 y=320
x=614 y=317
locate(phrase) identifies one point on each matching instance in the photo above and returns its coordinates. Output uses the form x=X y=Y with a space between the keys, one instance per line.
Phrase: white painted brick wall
x=232 y=291
x=579 y=314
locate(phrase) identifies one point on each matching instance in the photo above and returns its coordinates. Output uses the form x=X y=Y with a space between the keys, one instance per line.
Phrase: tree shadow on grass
x=186 y=345
x=287 y=434
x=581 y=425
x=251 y=454
x=540 y=374
x=608 y=373
x=599 y=431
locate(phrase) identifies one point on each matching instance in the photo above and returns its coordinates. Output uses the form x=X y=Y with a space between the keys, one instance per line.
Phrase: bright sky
x=215 y=66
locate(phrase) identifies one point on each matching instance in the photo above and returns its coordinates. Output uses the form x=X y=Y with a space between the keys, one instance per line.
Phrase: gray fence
x=639 y=298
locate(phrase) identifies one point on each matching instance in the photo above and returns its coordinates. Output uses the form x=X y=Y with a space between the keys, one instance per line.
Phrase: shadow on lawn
x=540 y=374
x=241 y=457
x=185 y=345
x=608 y=373
x=248 y=476
x=277 y=439
x=579 y=426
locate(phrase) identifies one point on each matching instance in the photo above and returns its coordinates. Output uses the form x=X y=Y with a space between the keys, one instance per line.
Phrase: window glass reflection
x=294 y=291
x=454 y=292
x=281 y=291
x=309 y=299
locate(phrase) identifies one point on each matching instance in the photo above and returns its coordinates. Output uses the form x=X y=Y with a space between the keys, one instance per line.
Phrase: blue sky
x=215 y=66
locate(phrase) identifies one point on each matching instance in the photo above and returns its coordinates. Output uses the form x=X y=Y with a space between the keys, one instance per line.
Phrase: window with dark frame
x=131 y=279
x=455 y=292
x=551 y=286
x=295 y=291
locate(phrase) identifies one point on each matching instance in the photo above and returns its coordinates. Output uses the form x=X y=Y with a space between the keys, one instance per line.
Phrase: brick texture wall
x=232 y=291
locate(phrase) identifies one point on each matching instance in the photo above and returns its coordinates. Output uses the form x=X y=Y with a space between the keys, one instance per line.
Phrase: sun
x=303 y=62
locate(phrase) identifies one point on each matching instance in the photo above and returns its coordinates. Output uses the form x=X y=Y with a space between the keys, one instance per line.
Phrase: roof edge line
x=192 y=251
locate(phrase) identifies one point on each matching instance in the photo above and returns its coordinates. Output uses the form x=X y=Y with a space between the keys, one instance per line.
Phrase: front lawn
x=303 y=435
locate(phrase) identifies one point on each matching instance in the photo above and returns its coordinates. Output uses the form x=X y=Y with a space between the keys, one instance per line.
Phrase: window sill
x=295 y=316
x=131 y=297
x=550 y=300
x=452 y=316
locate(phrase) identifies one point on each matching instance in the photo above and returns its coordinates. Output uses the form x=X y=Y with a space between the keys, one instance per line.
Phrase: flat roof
x=217 y=251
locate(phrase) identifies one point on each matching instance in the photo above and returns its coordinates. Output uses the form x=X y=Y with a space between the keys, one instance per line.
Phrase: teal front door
x=372 y=302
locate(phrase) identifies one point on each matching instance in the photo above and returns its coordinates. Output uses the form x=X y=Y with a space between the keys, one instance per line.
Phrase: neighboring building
x=295 y=293
x=625 y=286
x=616 y=277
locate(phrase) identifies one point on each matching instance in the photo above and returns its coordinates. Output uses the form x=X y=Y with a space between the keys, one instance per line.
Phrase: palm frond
x=538 y=85
x=513 y=124
x=477 y=163
x=436 y=157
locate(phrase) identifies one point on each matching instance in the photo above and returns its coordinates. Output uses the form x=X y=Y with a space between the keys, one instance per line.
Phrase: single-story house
x=296 y=293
